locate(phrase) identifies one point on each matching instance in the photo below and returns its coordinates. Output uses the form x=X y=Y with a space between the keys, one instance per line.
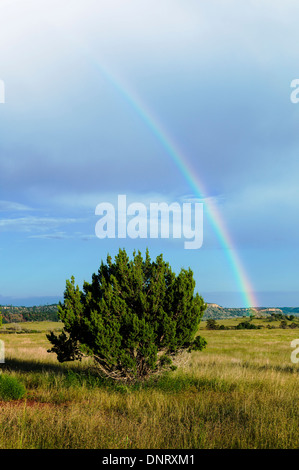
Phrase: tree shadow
x=72 y=374
x=25 y=365
x=286 y=368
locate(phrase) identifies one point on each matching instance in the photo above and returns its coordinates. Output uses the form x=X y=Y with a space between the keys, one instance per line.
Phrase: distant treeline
x=245 y=325
x=11 y=314
x=285 y=322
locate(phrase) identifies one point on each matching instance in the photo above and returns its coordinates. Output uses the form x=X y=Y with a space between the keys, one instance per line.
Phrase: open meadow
x=241 y=392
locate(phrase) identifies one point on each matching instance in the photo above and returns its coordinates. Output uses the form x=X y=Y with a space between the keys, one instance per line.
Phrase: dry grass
x=242 y=392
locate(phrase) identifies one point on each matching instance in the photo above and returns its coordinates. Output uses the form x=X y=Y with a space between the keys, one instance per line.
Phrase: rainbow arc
x=197 y=186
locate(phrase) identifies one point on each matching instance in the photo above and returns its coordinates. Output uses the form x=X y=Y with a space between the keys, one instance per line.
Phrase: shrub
x=212 y=324
x=11 y=388
x=133 y=318
x=247 y=326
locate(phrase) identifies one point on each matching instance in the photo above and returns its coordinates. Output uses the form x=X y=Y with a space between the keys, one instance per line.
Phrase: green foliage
x=283 y=324
x=11 y=388
x=277 y=316
x=290 y=317
x=245 y=325
x=211 y=324
x=133 y=318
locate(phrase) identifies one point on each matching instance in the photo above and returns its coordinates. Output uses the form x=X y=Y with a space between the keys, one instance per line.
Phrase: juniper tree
x=211 y=324
x=133 y=318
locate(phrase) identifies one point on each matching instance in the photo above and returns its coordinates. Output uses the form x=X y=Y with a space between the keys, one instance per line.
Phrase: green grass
x=38 y=326
x=241 y=392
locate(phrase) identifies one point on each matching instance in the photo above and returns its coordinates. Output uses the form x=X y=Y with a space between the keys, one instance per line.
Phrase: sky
x=98 y=93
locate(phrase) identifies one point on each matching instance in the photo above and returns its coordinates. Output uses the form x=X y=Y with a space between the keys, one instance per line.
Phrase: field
x=241 y=392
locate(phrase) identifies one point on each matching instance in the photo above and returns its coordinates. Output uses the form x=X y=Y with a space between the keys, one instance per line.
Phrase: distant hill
x=12 y=313
x=219 y=313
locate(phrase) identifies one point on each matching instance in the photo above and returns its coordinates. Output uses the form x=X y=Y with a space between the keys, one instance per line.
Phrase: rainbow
x=190 y=176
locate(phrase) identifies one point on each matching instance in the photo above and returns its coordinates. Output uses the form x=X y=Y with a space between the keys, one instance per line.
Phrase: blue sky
x=215 y=74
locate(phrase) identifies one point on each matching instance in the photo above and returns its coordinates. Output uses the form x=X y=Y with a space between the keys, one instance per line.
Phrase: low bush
x=11 y=388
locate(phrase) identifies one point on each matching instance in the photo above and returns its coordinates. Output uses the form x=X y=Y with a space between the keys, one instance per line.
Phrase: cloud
x=52 y=236
x=263 y=215
x=63 y=236
x=30 y=223
x=10 y=206
x=88 y=201
x=80 y=134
